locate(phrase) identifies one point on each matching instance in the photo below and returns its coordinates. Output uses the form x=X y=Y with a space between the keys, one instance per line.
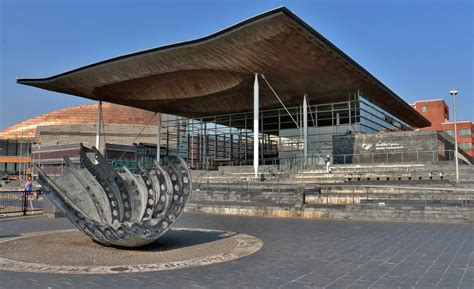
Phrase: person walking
x=28 y=191
x=328 y=164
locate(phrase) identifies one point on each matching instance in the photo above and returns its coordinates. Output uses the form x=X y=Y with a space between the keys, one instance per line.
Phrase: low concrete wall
x=50 y=211
x=358 y=212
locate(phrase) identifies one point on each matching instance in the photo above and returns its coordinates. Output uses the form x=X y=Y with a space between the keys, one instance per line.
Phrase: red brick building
x=465 y=134
x=437 y=111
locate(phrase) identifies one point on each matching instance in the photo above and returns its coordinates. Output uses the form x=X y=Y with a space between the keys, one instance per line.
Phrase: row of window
x=462 y=132
x=465 y=145
x=425 y=108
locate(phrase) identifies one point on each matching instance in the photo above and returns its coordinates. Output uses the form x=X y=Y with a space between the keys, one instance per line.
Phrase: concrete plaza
x=296 y=253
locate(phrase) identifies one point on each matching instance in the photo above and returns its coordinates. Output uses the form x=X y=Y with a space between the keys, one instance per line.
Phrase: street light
x=454 y=93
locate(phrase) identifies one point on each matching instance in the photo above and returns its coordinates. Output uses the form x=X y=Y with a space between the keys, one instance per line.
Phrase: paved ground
x=297 y=253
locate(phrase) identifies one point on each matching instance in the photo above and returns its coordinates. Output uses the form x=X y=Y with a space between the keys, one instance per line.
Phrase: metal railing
x=395 y=157
x=384 y=157
x=19 y=202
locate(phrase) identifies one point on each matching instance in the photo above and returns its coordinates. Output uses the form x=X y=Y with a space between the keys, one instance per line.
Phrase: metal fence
x=18 y=202
x=395 y=157
x=314 y=160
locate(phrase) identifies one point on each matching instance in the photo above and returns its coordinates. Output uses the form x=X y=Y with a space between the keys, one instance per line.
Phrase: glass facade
x=374 y=119
x=208 y=142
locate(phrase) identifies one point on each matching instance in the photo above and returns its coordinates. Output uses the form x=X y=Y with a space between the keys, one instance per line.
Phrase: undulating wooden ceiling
x=214 y=75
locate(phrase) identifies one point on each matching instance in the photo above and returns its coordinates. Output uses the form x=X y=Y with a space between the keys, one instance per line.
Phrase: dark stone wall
x=386 y=147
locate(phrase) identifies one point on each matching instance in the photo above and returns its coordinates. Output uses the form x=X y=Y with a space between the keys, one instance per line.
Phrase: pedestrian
x=328 y=164
x=29 y=191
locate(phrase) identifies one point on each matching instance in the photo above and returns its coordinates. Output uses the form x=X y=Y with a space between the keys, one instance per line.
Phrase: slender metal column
x=454 y=93
x=20 y=175
x=99 y=125
x=215 y=138
x=305 y=130
x=231 y=136
x=206 y=147
x=255 y=125
x=192 y=142
x=168 y=123
x=263 y=142
x=246 y=139
x=158 y=136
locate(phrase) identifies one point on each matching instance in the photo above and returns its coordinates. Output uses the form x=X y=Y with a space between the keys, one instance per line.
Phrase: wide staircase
x=391 y=173
x=397 y=192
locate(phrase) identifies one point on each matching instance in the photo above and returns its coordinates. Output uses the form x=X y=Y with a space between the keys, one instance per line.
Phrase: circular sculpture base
x=72 y=252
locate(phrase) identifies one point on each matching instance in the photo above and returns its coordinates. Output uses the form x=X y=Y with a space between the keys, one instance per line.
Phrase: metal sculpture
x=128 y=210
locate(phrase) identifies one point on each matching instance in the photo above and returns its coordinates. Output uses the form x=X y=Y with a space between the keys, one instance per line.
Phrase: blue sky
x=420 y=49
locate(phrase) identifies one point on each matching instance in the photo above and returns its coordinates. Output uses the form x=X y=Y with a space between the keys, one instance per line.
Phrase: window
x=450 y=132
x=465 y=132
x=423 y=108
x=466 y=145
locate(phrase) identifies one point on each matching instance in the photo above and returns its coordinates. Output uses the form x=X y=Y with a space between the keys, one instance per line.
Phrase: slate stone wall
x=388 y=147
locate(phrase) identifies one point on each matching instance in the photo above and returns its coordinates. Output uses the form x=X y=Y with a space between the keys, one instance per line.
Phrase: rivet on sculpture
x=126 y=209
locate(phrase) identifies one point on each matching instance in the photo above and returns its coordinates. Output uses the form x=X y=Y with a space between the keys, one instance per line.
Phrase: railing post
x=425 y=199
x=279 y=195
x=24 y=207
x=327 y=196
x=400 y=194
x=353 y=189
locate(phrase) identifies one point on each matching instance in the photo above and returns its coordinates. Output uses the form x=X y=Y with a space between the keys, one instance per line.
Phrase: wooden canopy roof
x=214 y=75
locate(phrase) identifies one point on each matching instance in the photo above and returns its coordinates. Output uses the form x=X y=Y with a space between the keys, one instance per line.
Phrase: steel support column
x=158 y=136
x=98 y=126
x=255 y=125
x=305 y=130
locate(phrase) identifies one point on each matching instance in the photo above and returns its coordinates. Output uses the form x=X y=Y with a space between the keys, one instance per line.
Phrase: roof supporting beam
x=279 y=99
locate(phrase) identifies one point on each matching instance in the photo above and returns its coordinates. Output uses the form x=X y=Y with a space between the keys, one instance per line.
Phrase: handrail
x=17 y=201
x=296 y=160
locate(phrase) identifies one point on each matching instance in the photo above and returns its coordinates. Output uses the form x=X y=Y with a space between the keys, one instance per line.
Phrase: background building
x=63 y=130
x=437 y=112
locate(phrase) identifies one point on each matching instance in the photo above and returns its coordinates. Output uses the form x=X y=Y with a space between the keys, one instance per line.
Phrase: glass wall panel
x=209 y=142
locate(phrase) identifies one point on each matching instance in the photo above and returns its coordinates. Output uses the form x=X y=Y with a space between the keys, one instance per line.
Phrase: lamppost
x=454 y=93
